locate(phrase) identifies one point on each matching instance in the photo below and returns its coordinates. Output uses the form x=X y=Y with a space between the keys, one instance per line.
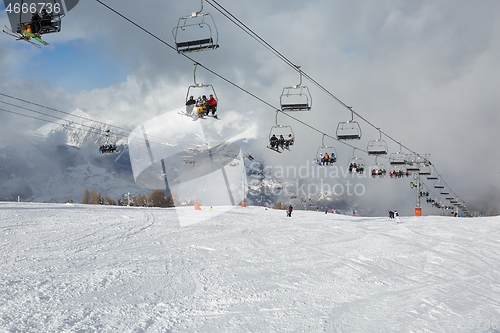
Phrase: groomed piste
x=84 y=268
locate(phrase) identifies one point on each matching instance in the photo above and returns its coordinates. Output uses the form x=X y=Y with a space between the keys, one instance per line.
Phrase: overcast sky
x=426 y=73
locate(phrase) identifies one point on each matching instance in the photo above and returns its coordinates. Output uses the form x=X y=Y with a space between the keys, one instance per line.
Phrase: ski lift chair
x=425 y=170
x=200 y=89
x=358 y=161
x=188 y=159
x=326 y=149
x=377 y=147
x=398 y=171
x=296 y=98
x=378 y=169
x=349 y=130
x=54 y=8
x=284 y=130
x=438 y=184
x=196 y=32
x=432 y=176
x=397 y=158
x=413 y=168
x=415 y=162
x=107 y=146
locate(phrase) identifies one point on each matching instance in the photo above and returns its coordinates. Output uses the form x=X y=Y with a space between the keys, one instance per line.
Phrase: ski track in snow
x=82 y=268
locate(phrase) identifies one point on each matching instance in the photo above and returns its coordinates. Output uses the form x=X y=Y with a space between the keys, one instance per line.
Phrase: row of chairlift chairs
x=187 y=39
x=293 y=98
x=198 y=32
x=194 y=33
x=298 y=98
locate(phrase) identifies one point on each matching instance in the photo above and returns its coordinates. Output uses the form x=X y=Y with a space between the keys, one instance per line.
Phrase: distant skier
x=391 y=214
x=289 y=211
x=396 y=216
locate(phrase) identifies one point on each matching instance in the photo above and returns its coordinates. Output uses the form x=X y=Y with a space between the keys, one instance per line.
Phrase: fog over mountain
x=58 y=161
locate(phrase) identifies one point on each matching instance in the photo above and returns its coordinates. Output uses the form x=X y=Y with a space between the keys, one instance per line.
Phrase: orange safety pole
x=418 y=211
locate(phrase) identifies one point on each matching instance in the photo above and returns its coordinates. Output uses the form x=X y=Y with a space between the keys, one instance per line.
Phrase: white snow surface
x=85 y=268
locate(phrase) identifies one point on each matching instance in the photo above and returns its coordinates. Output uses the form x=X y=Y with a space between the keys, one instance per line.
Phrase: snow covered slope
x=77 y=268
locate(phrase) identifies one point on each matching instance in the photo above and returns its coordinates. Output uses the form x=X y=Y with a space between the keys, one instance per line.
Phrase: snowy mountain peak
x=79 y=129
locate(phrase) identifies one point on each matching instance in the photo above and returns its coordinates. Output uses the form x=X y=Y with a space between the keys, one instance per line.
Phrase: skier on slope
x=396 y=216
x=289 y=211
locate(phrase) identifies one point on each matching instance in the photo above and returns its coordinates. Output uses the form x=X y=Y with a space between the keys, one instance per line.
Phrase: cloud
x=425 y=73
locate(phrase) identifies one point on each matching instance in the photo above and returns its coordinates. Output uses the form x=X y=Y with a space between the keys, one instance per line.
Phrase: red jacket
x=212 y=102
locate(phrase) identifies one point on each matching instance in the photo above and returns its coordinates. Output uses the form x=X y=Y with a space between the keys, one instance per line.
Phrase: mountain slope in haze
x=59 y=160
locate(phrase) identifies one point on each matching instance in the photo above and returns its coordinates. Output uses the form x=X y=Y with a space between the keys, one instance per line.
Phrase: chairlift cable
x=255 y=36
x=46 y=120
x=73 y=115
x=214 y=73
x=67 y=113
x=69 y=122
x=253 y=95
x=291 y=64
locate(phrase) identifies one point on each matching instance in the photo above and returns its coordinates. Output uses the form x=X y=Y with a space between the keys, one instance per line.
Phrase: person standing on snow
x=289 y=211
x=396 y=216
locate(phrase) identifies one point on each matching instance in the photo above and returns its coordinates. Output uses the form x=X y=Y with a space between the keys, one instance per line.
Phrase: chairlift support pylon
x=349 y=130
x=296 y=98
x=201 y=86
x=325 y=147
x=378 y=146
x=197 y=20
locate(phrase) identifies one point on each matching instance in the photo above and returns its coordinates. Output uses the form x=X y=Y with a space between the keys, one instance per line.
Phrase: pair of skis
x=26 y=36
x=277 y=149
x=196 y=117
